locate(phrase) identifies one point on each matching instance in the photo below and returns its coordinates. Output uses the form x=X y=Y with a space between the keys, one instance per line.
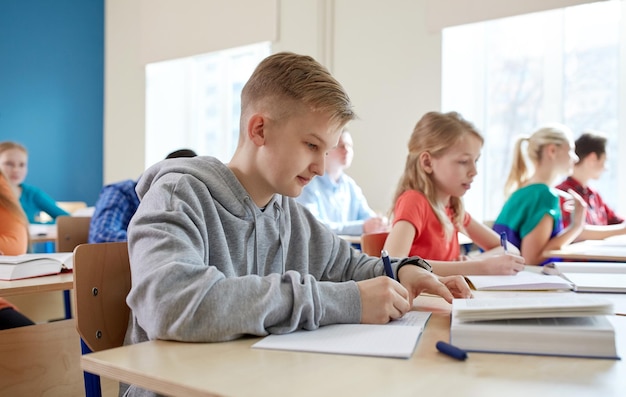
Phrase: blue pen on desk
x=504 y=241
x=387 y=263
x=451 y=351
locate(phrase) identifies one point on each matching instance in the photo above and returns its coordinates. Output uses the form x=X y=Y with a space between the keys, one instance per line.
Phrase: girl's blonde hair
x=520 y=173
x=435 y=133
x=8 y=145
x=10 y=201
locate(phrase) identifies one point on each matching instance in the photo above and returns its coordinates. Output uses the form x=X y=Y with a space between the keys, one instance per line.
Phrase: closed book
x=34 y=265
x=530 y=327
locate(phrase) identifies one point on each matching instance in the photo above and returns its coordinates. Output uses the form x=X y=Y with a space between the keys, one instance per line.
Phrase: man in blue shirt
x=335 y=198
x=116 y=206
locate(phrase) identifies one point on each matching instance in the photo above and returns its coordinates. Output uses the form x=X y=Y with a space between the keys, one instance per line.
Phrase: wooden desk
x=55 y=282
x=42 y=232
x=235 y=369
x=43 y=358
x=592 y=250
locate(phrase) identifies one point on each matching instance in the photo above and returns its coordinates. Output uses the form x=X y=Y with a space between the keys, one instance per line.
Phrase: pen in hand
x=504 y=241
x=387 y=263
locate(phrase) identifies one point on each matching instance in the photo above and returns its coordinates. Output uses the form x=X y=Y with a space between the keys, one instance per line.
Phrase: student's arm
x=600 y=232
x=538 y=240
x=47 y=204
x=400 y=238
x=398 y=244
x=486 y=238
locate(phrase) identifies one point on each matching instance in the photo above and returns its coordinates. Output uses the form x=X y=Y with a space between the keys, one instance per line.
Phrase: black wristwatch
x=415 y=261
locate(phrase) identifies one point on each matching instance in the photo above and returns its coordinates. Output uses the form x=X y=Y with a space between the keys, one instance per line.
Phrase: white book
x=396 y=339
x=598 y=282
x=584 y=267
x=565 y=334
x=530 y=307
x=591 y=276
x=522 y=281
x=34 y=265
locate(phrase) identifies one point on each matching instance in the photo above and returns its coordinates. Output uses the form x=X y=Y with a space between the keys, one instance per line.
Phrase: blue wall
x=51 y=92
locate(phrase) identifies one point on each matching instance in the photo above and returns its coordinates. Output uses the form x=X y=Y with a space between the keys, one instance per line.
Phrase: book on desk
x=591 y=276
x=522 y=281
x=556 y=326
x=34 y=265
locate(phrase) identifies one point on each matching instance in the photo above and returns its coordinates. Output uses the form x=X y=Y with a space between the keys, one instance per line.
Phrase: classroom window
x=194 y=102
x=512 y=75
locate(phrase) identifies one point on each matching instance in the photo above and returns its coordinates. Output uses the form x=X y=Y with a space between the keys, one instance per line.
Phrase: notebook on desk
x=396 y=339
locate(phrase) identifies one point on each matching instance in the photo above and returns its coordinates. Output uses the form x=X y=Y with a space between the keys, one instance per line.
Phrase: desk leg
x=92 y=382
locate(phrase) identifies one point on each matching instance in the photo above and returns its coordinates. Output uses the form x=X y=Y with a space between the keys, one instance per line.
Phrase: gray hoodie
x=208 y=265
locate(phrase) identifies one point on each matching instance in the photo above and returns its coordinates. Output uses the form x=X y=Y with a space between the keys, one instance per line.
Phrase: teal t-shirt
x=35 y=200
x=523 y=211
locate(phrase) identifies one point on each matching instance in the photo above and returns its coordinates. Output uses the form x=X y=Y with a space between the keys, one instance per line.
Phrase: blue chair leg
x=92 y=382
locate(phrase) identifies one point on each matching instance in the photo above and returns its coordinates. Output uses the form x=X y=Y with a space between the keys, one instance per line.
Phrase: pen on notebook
x=387 y=263
x=451 y=351
x=504 y=241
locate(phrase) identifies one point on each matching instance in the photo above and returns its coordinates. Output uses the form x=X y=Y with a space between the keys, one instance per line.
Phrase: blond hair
x=435 y=133
x=287 y=77
x=520 y=173
x=9 y=200
x=8 y=145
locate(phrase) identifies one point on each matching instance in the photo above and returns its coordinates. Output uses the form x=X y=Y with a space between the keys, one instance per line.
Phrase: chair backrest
x=101 y=284
x=71 y=231
x=373 y=243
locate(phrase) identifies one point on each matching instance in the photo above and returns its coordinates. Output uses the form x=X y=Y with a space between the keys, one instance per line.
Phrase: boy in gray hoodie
x=219 y=251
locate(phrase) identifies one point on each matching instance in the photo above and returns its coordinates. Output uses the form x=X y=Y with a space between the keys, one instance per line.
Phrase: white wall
x=386 y=54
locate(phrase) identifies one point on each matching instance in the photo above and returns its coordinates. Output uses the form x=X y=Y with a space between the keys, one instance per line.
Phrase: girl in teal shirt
x=531 y=217
x=14 y=164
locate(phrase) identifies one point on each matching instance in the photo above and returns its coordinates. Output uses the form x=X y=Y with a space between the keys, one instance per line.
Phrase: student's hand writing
x=418 y=280
x=382 y=299
x=505 y=264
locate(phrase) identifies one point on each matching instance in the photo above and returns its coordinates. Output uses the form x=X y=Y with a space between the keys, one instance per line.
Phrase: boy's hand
x=417 y=280
x=382 y=300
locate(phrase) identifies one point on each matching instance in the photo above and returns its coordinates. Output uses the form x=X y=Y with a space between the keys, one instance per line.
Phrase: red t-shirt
x=429 y=242
x=598 y=213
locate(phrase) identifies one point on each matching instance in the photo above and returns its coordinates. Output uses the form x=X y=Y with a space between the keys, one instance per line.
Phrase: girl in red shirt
x=428 y=211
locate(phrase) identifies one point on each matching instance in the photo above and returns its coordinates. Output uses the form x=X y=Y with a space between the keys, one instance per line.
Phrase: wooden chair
x=373 y=243
x=101 y=284
x=71 y=231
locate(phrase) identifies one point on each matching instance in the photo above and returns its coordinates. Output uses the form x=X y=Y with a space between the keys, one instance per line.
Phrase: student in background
x=116 y=205
x=335 y=198
x=14 y=163
x=601 y=221
x=531 y=216
x=428 y=211
x=223 y=250
x=13 y=241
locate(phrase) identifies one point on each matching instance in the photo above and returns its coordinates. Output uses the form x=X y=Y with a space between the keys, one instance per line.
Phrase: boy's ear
x=425 y=161
x=256 y=129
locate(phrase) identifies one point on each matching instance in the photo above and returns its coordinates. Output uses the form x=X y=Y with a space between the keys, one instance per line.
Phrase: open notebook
x=396 y=339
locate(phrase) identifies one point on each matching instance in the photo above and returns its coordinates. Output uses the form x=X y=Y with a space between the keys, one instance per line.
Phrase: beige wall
x=386 y=54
